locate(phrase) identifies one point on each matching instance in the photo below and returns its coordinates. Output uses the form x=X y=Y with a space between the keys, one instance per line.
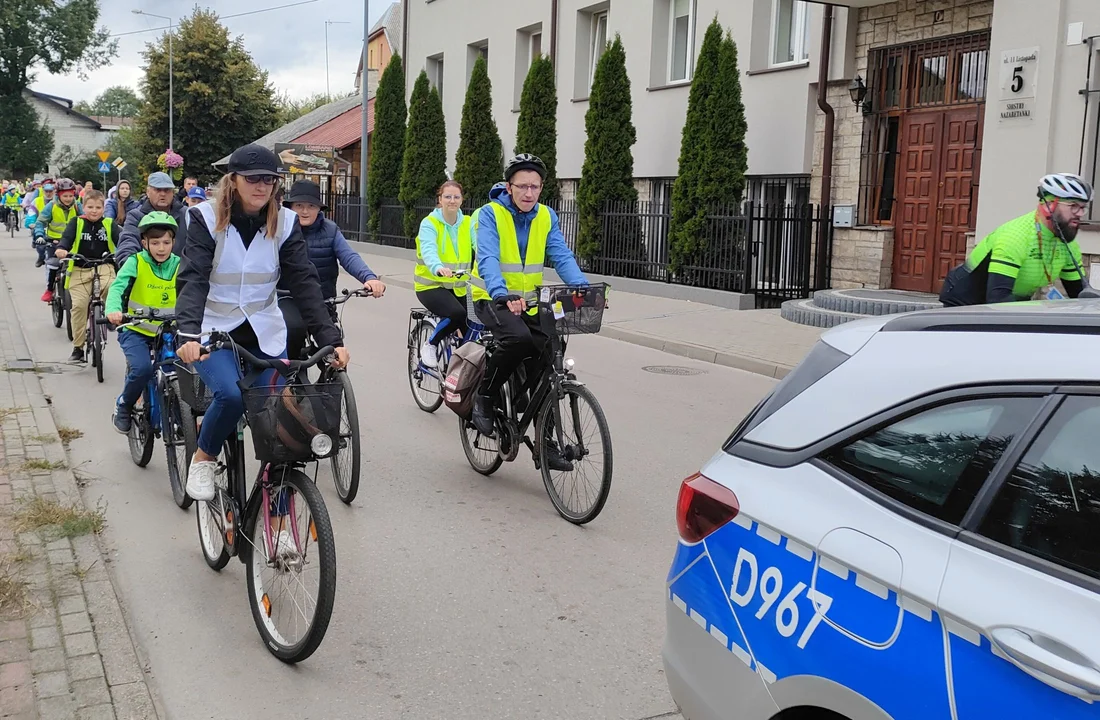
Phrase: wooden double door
x=937 y=193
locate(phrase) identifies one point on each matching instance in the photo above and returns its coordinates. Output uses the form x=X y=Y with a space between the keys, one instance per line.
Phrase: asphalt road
x=458 y=596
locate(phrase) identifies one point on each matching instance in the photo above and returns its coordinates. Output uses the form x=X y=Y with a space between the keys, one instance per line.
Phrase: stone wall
x=883 y=25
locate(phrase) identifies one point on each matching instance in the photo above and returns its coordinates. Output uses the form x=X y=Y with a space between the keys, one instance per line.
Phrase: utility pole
x=363 y=152
x=171 y=28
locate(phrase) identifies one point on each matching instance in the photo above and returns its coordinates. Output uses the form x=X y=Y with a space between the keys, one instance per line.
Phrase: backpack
x=464 y=374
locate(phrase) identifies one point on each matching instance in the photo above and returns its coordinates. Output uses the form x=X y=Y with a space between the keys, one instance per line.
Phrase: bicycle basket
x=577 y=309
x=193 y=391
x=285 y=419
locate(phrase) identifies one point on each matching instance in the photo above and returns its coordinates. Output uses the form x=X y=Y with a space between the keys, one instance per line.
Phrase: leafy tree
x=387 y=142
x=607 y=174
x=713 y=154
x=78 y=166
x=291 y=109
x=537 y=132
x=117 y=101
x=479 y=163
x=34 y=34
x=222 y=99
x=26 y=142
x=124 y=144
x=425 y=162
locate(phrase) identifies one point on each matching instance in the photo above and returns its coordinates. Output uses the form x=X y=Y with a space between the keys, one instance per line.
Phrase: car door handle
x=1068 y=675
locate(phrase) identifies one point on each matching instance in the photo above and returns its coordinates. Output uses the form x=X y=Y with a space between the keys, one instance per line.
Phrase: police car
x=908 y=527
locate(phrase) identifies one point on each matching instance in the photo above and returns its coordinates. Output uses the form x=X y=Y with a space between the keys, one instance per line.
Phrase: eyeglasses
x=528 y=188
x=1075 y=208
x=452 y=197
x=257 y=179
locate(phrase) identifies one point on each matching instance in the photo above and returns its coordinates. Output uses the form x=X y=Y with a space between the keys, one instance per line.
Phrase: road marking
x=799 y=550
x=832 y=566
x=872 y=586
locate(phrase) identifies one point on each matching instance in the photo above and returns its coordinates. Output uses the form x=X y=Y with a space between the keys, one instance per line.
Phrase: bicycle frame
x=164 y=360
x=474 y=332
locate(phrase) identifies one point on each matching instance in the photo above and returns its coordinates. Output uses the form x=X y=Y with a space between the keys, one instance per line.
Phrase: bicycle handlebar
x=220 y=340
x=346 y=295
x=133 y=318
x=106 y=258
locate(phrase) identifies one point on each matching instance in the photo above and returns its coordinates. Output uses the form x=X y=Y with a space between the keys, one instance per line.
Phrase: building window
x=536 y=45
x=528 y=47
x=681 y=40
x=473 y=52
x=592 y=33
x=434 y=68
x=599 y=43
x=791 y=37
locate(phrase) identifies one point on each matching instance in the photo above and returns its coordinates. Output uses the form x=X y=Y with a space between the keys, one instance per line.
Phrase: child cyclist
x=147 y=280
x=93 y=236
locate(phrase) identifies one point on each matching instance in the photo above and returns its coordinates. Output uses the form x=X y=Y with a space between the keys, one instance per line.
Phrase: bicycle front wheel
x=141 y=434
x=97 y=331
x=426 y=389
x=57 y=307
x=291 y=566
x=180 y=442
x=578 y=493
x=345 y=463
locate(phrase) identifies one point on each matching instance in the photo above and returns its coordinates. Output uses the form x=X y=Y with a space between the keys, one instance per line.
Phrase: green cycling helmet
x=158 y=218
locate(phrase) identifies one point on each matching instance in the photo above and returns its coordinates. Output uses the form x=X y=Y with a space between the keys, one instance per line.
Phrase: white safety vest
x=243 y=282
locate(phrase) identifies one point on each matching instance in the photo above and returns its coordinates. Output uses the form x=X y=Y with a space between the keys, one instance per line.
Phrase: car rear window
x=822 y=360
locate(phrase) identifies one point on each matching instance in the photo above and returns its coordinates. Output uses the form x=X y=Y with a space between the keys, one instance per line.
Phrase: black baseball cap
x=254 y=159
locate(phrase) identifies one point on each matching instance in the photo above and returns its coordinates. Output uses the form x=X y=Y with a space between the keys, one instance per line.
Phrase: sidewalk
x=759 y=341
x=65 y=650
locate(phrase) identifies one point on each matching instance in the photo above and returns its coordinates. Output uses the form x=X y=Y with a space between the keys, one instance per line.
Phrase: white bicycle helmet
x=1065 y=186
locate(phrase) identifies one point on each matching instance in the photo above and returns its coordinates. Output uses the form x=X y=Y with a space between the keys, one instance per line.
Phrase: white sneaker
x=428 y=355
x=200 y=480
x=284 y=544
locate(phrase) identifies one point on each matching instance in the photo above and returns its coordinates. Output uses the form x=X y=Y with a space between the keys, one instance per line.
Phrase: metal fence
x=775 y=251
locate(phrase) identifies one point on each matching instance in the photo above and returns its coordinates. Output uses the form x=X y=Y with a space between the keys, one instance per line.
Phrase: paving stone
x=59 y=544
x=13 y=630
x=76 y=623
x=48 y=660
x=60 y=557
x=132 y=701
x=96 y=712
x=17 y=700
x=51 y=684
x=14 y=651
x=57 y=708
x=45 y=637
x=92 y=691
x=85 y=667
x=71 y=604
x=44 y=616
x=15 y=674
x=80 y=644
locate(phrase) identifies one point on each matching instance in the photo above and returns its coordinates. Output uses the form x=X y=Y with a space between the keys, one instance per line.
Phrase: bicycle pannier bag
x=464 y=374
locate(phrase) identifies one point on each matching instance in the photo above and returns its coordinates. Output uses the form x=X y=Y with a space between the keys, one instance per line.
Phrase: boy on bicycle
x=145 y=281
x=92 y=236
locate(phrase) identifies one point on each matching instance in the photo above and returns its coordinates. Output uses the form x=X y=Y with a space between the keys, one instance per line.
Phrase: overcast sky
x=289 y=43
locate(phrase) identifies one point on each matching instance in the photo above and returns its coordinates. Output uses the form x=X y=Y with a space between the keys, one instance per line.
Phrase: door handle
x=1033 y=653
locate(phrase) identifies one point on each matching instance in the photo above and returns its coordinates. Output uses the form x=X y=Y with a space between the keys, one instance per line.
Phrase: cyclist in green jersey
x=1022 y=259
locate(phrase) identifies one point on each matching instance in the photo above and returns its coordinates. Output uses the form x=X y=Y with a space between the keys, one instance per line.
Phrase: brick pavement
x=65 y=652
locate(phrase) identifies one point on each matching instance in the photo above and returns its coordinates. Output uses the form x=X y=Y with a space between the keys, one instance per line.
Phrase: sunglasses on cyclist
x=257 y=179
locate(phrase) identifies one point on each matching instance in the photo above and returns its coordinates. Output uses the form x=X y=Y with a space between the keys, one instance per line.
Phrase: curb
x=673 y=347
x=124 y=664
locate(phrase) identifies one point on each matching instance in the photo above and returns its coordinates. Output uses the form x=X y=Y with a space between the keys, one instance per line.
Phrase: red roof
x=342 y=130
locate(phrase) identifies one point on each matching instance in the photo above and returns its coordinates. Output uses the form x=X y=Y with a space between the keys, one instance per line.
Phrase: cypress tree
x=537 y=132
x=425 y=162
x=387 y=141
x=479 y=162
x=607 y=174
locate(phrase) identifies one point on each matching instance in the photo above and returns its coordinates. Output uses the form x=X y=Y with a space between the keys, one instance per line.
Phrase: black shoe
x=482 y=417
x=554 y=459
x=77 y=356
x=39 y=262
x=122 y=419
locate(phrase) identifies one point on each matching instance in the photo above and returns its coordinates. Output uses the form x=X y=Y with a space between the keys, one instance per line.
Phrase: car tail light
x=703 y=507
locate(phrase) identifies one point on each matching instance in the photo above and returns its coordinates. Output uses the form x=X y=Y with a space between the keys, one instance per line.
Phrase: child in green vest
x=91 y=235
x=146 y=280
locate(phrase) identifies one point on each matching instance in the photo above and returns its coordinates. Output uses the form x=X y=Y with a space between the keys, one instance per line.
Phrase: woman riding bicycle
x=444 y=247
x=238 y=248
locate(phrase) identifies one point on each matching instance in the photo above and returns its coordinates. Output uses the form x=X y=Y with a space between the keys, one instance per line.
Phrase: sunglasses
x=257 y=179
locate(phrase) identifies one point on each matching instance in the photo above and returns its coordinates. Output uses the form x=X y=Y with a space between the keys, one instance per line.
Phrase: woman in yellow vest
x=147 y=280
x=444 y=249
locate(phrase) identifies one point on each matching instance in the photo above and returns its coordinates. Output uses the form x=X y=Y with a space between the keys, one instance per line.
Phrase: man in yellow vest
x=515 y=236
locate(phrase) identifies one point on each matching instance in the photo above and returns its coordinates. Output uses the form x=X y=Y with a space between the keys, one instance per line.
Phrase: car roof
x=897 y=358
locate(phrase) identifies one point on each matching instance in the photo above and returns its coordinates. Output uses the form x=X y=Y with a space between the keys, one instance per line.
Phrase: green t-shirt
x=1013 y=250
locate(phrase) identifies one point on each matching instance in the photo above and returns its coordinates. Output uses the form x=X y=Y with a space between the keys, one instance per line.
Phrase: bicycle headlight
x=321 y=445
x=568 y=364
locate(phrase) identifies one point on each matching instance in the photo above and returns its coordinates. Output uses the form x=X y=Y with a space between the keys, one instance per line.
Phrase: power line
x=169 y=27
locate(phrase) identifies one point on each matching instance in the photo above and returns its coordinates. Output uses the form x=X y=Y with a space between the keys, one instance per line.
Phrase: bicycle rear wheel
x=345 y=463
x=180 y=442
x=578 y=494
x=141 y=434
x=425 y=387
x=67 y=303
x=483 y=453
x=291 y=586
x=57 y=305
x=97 y=331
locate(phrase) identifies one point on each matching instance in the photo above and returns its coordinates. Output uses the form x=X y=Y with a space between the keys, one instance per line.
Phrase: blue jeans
x=220 y=371
x=138 y=351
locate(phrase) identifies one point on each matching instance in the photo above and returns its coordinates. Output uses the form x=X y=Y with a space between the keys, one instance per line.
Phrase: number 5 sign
x=1019 y=71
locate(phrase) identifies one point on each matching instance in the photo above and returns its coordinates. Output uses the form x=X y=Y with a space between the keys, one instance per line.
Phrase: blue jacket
x=110 y=210
x=488 y=244
x=44 y=217
x=329 y=251
x=429 y=250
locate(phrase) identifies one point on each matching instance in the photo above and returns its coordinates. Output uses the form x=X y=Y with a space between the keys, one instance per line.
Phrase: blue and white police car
x=907 y=527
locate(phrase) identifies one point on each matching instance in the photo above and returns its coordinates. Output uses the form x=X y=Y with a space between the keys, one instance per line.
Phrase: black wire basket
x=193 y=391
x=577 y=309
x=285 y=419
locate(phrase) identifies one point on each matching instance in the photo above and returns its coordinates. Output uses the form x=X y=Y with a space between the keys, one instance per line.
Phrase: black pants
x=296 y=331
x=519 y=340
x=444 y=304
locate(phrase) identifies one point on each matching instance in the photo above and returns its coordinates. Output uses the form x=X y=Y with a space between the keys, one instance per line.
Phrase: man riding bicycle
x=9 y=203
x=515 y=235
x=52 y=221
x=1021 y=259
